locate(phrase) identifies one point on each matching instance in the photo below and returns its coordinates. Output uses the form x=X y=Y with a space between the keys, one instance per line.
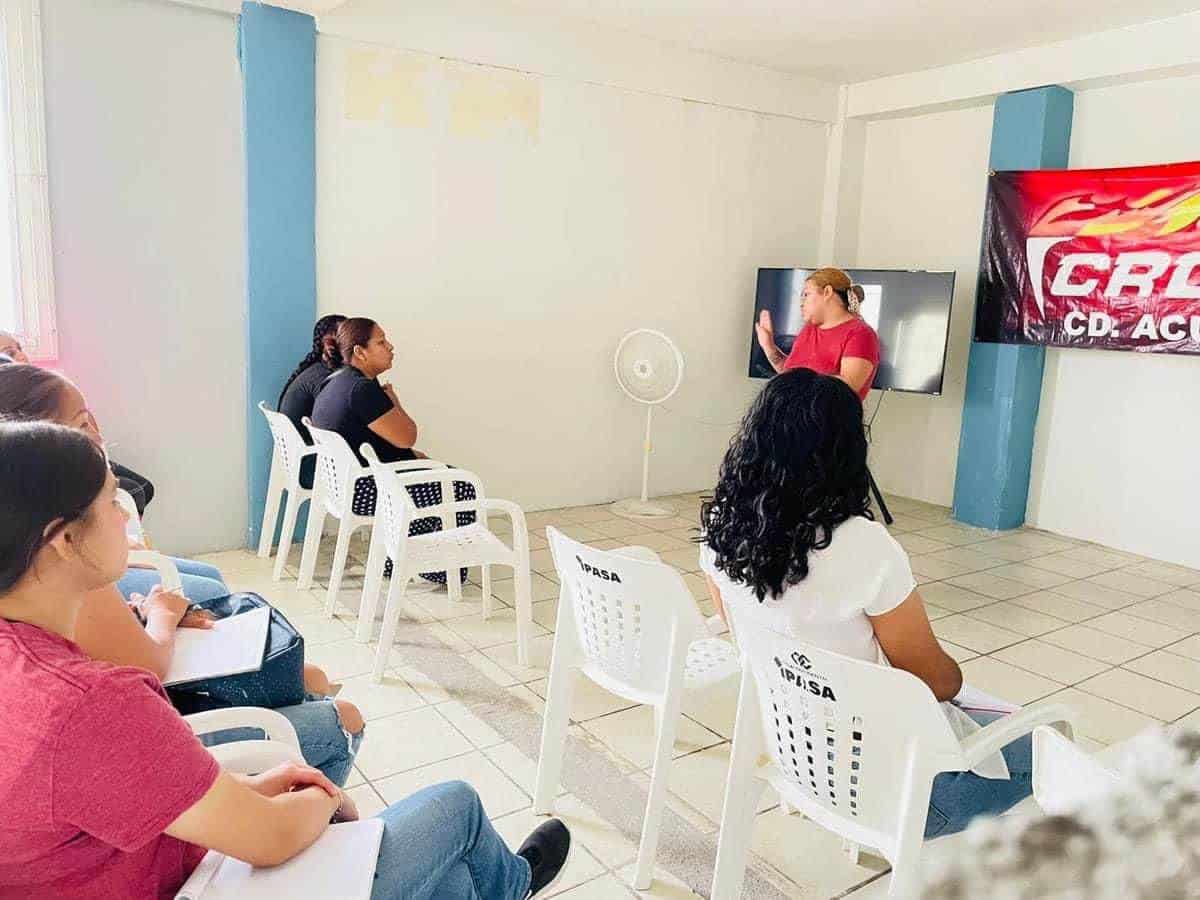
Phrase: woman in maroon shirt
x=835 y=340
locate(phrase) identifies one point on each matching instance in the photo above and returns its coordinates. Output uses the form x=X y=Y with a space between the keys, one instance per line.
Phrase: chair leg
x=454 y=585
x=391 y=615
x=667 y=720
x=372 y=582
x=312 y=542
x=522 y=595
x=851 y=850
x=286 y=535
x=485 y=580
x=345 y=530
x=554 y=727
x=271 y=509
x=742 y=792
x=906 y=866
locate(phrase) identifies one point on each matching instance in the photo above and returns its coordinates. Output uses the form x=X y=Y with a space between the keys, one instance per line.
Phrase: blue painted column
x=1030 y=130
x=278 y=56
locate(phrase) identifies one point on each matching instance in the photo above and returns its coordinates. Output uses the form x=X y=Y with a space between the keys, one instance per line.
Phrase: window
x=26 y=264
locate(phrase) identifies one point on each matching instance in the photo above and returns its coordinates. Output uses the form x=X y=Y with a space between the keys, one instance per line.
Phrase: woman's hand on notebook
x=291 y=777
x=347 y=812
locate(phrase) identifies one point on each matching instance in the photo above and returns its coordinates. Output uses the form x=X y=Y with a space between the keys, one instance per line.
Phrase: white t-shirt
x=863 y=572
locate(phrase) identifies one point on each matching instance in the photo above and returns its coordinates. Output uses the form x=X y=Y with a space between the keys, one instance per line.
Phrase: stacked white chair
x=333 y=494
x=852 y=745
x=286 y=461
x=627 y=621
x=454 y=547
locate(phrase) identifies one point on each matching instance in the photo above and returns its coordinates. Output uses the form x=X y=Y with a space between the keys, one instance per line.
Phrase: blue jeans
x=325 y=744
x=200 y=580
x=958 y=797
x=439 y=845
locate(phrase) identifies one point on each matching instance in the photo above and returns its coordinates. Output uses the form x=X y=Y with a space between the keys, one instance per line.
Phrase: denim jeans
x=439 y=845
x=958 y=797
x=200 y=580
x=325 y=744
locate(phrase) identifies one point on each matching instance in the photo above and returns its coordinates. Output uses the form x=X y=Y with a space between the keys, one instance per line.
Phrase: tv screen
x=909 y=310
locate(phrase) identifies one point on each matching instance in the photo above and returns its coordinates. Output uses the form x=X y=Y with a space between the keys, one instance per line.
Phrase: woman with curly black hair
x=789 y=543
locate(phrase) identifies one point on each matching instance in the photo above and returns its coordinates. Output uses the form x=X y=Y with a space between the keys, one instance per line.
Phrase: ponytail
x=324 y=349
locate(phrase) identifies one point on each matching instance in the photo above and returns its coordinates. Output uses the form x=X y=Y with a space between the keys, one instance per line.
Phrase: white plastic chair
x=286 y=461
x=133 y=527
x=852 y=745
x=627 y=621
x=454 y=547
x=1065 y=776
x=252 y=756
x=333 y=494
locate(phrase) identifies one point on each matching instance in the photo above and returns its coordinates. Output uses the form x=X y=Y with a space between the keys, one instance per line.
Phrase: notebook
x=232 y=646
x=339 y=866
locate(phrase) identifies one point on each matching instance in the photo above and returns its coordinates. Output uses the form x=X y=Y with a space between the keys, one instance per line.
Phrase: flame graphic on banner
x=1159 y=213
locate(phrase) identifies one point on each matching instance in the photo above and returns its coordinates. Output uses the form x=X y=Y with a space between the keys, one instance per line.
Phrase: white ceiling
x=855 y=40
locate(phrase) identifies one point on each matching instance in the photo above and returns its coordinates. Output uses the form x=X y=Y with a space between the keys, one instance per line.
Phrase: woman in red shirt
x=835 y=340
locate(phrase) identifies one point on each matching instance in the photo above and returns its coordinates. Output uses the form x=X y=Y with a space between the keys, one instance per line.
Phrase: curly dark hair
x=795 y=471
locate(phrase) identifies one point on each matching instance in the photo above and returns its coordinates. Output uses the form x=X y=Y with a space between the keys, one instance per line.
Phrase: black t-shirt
x=297 y=401
x=349 y=402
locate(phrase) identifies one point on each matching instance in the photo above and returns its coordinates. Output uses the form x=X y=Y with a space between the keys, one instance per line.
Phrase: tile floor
x=1031 y=616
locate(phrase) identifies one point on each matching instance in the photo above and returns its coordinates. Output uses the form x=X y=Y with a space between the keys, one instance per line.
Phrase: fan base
x=642 y=509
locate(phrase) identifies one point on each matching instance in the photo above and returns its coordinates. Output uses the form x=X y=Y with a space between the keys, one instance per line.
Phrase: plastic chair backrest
x=288 y=443
x=133 y=528
x=849 y=734
x=627 y=613
x=337 y=468
x=395 y=507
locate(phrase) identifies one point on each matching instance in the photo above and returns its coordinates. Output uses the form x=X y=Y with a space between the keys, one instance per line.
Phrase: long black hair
x=324 y=349
x=49 y=475
x=796 y=470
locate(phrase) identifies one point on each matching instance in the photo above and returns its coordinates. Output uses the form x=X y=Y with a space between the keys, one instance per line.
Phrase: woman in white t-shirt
x=790 y=544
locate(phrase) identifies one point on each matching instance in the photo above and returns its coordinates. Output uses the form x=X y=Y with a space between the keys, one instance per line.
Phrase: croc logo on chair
x=602 y=574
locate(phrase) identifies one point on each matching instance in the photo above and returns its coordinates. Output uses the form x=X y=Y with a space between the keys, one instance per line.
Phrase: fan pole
x=646 y=454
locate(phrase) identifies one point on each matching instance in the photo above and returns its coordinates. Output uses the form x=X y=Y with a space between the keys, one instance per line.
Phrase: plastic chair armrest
x=408 y=465
x=253 y=757
x=170 y=575
x=275 y=724
x=991 y=738
x=515 y=514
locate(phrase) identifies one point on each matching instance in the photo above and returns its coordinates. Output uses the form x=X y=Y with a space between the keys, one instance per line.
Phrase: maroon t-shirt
x=95 y=764
x=822 y=349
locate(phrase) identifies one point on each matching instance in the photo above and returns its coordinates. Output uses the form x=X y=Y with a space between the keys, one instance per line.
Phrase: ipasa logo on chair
x=602 y=574
x=806 y=679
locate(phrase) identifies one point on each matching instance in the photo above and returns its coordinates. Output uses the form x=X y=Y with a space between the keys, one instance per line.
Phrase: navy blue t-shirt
x=347 y=404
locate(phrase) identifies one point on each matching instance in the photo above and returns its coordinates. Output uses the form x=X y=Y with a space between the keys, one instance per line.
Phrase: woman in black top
x=355 y=405
x=300 y=392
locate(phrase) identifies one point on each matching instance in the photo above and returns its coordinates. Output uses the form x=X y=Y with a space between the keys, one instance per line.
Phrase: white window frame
x=24 y=177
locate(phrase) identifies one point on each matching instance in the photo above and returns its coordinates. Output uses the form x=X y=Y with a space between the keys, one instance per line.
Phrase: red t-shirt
x=94 y=764
x=822 y=349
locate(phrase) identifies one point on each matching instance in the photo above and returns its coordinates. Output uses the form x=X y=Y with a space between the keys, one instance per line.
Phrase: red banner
x=1106 y=258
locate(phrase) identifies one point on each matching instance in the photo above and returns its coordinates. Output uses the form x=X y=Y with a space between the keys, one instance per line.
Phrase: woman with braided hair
x=300 y=392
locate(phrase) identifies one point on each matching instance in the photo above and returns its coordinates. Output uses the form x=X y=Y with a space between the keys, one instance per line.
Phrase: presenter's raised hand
x=766 y=333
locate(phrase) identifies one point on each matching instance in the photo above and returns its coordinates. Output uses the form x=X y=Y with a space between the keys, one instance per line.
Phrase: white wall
x=1116 y=430
x=507 y=228
x=923 y=189
x=1115 y=454
x=144 y=134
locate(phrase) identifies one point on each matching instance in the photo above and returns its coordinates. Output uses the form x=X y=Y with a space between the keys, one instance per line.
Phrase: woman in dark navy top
x=300 y=392
x=355 y=405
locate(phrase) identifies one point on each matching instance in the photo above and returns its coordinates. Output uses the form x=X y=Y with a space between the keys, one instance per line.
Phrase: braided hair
x=324 y=349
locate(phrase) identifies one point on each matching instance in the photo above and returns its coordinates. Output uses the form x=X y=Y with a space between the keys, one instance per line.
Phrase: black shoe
x=546 y=850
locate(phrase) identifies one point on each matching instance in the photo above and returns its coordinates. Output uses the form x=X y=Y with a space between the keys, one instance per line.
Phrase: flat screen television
x=909 y=310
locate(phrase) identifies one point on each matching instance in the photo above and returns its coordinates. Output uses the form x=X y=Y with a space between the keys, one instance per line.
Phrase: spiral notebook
x=340 y=865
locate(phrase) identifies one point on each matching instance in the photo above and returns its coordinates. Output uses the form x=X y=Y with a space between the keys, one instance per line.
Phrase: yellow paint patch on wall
x=386 y=87
x=488 y=102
